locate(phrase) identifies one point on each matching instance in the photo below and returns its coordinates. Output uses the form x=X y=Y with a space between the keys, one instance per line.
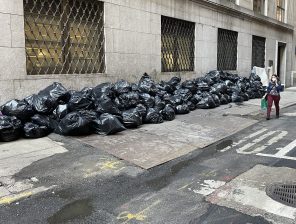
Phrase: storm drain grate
x=284 y=193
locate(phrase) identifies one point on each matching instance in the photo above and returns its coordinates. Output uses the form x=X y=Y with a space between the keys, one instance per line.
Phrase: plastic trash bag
x=159 y=103
x=216 y=100
x=131 y=118
x=168 y=113
x=147 y=100
x=122 y=86
x=61 y=111
x=20 y=109
x=191 y=106
x=175 y=100
x=189 y=84
x=196 y=98
x=174 y=81
x=81 y=100
x=153 y=117
x=106 y=89
x=182 y=109
x=142 y=110
x=236 y=98
x=32 y=130
x=206 y=103
x=105 y=105
x=224 y=100
x=76 y=123
x=147 y=85
x=10 y=128
x=107 y=124
x=43 y=120
x=129 y=100
x=185 y=94
x=57 y=92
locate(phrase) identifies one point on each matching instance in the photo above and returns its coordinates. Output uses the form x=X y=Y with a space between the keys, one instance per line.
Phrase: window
x=64 y=36
x=280 y=10
x=227 y=50
x=258 y=52
x=258 y=6
x=177 y=45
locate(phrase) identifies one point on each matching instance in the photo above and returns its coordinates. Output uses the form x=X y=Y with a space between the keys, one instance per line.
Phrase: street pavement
x=66 y=180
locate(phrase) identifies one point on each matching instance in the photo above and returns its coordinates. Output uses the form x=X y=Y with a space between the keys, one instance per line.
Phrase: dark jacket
x=279 y=88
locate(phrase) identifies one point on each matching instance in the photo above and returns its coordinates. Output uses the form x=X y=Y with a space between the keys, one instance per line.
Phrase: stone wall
x=133 y=43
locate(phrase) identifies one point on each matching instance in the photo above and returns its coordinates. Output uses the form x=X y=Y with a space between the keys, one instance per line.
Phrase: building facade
x=86 y=42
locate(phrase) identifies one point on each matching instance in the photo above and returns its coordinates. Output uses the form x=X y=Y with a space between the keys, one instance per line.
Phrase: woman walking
x=273 y=95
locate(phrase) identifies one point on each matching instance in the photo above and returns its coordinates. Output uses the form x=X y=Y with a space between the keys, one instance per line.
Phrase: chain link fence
x=64 y=36
x=177 y=45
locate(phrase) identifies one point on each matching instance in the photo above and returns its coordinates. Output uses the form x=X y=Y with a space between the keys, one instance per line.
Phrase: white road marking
x=243 y=149
x=208 y=187
x=284 y=151
x=290 y=114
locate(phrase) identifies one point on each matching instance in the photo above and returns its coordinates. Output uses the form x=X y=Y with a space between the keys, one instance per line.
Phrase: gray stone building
x=85 y=42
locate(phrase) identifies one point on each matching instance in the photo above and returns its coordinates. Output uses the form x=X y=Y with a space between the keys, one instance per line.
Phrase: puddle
x=224 y=144
x=75 y=210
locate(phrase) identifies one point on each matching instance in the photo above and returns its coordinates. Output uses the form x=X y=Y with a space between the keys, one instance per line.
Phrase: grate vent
x=283 y=193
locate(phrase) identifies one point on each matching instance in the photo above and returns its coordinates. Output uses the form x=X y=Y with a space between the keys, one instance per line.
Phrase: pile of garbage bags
x=114 y=107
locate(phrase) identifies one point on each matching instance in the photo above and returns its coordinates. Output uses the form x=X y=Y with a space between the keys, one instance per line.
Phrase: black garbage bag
x=185 y=94
x=43 y=120
x=43 y=104
x=182 y=109
x=147 y=85
x=168 y=113
x=153 y=117
x=224 y=99
x=175 y=100
x=174 y=81
x=20 y=109
x=122 y=86
x=105 y=105
x=191 y=106
x=147 y=100
x=189 y=84
x=206 y=103
x=196 y=98
x=159 y=103
x=32 y=130
x=203 y=86
x=245 y=96
x=214 y=75
x=236 y=98
x=129 y=100
x=142 y=110
x=61 y=111
x=166 y=87
x=10 y=128
x=254 y=77
x=135 y=87
x=229 y=83
x=106 y=89
x=57 y=92
x=131 y=118
x=81 y=100
x=220 y=87
x=107 y=124
x=216 y=100
x=76 y=123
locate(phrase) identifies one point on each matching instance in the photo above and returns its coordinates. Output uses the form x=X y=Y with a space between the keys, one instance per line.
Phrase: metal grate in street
x=177 y=45
x=227 y=50
x=284 y=193
x=64 y=36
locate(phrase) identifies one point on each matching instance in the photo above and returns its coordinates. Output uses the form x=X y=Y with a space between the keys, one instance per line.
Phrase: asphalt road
x=90 y=186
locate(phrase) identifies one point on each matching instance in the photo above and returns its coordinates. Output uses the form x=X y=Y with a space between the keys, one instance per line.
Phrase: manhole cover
x=284 y=193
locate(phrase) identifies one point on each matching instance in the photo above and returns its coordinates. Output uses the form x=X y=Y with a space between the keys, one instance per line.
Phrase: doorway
x=281 y=61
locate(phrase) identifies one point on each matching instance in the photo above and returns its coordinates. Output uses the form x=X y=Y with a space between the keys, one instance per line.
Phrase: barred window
x=280 y=10
x=227 y=50
x=64 y=36
x=177 y=45
x=258 y=6
x=258 y=52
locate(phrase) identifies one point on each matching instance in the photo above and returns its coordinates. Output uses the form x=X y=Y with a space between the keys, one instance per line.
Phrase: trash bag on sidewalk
x=20 y=109
x=159 y=103
x=131 y=118
x=106 y=89
x=182 y=109
x=236 y=98
x=105 y=105
x=189 y=84
x=174 y=81
x=43 y=120
x=32 y=130
x=122 y=86
x=44 y=104
x=206 y=103
x=224 y=100
x=196 y=98
x=147 y=100
x=10 y=128
x=153 y=117
x=175 y=100
x=168 y=113
x=76 y=123
x=129 y=100
x=191 y=106
x=142 y=110
x=107 y=124
x=61 y=111
x=81 y=100
x=185 y=94
x=147 y=85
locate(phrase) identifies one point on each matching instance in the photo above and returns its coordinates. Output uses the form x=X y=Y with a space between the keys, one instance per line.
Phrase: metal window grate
x=177 y=45
x=258 y=52
x=227 y=50
x=64 y=36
